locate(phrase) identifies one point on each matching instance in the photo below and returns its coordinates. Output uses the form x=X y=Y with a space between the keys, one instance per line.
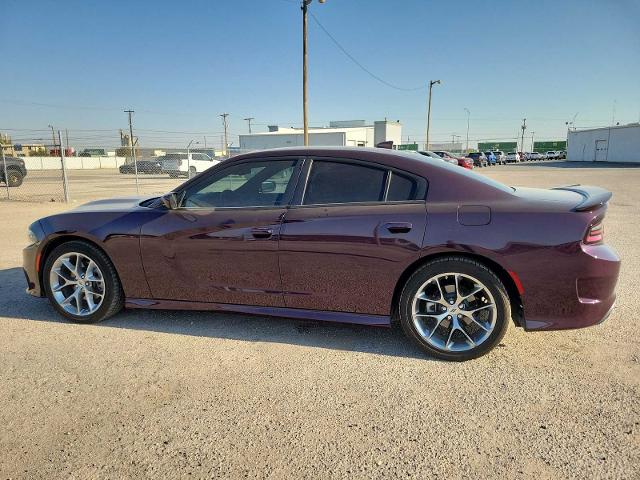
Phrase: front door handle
x=261 y=232
x=398 y=227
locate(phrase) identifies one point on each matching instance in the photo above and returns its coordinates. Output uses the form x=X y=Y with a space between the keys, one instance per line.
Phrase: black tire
x=455 y=264
x=173 y=175
x=192 y=172
x=14 y=177
x=114 y=295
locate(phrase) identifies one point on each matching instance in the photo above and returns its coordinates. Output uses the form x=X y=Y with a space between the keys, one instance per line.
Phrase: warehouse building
x=353 y=133
x=620 y=143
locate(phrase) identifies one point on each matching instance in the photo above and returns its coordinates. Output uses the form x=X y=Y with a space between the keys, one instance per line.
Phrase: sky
x=79 y=64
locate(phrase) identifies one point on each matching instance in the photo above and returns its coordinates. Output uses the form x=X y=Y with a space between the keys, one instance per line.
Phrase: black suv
x=16 y=171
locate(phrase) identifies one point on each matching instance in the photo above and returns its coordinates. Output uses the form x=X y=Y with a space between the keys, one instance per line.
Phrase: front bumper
x=580 y=293
x=30 y=259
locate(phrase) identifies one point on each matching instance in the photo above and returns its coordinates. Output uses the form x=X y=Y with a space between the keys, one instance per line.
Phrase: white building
x=353 y=133
x=609 y=144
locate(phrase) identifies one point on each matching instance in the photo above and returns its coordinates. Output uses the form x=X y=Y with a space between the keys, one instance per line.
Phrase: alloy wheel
x=454 y=312
x=77 y=284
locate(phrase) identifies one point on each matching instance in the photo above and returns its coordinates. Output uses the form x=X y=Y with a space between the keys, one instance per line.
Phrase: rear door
x=354 y=228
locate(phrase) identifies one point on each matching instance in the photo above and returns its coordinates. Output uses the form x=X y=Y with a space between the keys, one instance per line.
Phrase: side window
x=402 y=188
x=336 y=182
x=250 y=184
x=200 y=156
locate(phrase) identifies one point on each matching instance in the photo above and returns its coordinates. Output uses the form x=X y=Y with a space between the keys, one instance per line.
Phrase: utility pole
x=468 y=118
x=224 y=124
x=453 y=140
x=66 y=134
x=305 y=112
x=248 y=120
x=133 y=151
x=523 y=127
x=532 y=149
x=431 y=84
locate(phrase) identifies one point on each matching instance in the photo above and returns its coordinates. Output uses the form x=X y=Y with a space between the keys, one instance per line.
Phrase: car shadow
x=567 y=164
x=18 y=305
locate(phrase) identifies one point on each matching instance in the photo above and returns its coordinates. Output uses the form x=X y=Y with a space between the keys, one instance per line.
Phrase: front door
x=357 y=229
x=222 y=244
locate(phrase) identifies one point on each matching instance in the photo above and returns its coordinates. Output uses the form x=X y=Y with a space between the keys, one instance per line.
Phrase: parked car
x=501 y=158
x=491 y=158
x=464 y=162
x=187 y=165
x=563 y=154
x=553 y=155
x=16 y=171
x=428 y=153
x=536 y=156
x=479 y=159
x=513 y=157
x=363 y=249
x=153 y=166
x=93 y=152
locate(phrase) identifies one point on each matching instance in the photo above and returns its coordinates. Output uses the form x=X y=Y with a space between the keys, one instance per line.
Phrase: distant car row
x=487 y=159
x=174 y=164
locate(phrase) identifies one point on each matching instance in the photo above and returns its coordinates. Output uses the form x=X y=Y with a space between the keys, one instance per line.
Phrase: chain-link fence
x=68 y=168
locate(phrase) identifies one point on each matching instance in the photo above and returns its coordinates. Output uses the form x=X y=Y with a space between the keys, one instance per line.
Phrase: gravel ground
x=172 y=394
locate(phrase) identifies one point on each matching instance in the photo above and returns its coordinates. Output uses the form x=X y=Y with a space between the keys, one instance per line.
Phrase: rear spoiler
x=593 y=196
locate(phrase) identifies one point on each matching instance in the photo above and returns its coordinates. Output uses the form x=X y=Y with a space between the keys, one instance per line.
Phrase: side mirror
x=268 y=186
x=171 y=201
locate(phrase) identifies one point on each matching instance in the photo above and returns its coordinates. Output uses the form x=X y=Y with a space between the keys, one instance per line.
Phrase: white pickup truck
x=553 y=155
x=188 y=165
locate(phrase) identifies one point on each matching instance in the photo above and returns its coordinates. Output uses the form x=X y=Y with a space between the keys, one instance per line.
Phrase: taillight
x=595 y=233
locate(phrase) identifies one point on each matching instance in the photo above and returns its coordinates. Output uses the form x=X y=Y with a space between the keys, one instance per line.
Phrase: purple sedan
x=355 y=235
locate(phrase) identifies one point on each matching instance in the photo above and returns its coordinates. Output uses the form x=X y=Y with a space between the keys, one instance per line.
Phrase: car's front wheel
x=454 y=308
x=14 y=177
x=81 y=282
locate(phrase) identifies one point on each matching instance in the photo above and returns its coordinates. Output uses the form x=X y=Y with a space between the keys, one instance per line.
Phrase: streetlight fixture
x=468 y=118
x=189 y=157
x=431 y=84
x=305 y=120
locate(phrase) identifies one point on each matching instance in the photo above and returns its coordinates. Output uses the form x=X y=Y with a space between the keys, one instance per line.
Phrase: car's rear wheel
x=454 y=308
x=192 y=172
x=81 y=282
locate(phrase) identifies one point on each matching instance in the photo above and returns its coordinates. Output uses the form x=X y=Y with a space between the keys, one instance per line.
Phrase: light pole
x=224 y=124
x=305 y=120
x=53 y=136
x=431 y=84
x=468 y=118
x=189 y=158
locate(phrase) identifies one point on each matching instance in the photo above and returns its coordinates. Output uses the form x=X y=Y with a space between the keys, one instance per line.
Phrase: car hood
x=112 y=204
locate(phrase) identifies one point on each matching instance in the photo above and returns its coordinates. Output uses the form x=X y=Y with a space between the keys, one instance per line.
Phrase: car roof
x=408 y=161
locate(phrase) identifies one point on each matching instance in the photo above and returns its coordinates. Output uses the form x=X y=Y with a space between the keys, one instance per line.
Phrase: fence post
x=4 y=166
x=65 y=185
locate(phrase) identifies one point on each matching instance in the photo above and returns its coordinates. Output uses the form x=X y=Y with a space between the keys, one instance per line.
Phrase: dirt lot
x=171 y=394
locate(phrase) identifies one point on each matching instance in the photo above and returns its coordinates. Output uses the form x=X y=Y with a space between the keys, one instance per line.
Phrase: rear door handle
x=398 y=227
x=261 y=232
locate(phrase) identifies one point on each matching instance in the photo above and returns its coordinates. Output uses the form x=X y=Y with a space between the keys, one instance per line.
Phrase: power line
x=354 y=60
